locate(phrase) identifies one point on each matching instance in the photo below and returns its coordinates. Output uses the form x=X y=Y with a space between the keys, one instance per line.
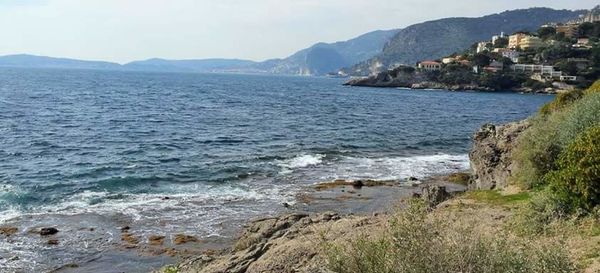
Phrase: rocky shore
x=420 y=81
x=293 y=242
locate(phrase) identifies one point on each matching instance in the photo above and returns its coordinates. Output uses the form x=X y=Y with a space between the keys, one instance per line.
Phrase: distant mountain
x=322 y=58
x=206 y=65
x=31 y=61
x=434 y=39
x=316 y=60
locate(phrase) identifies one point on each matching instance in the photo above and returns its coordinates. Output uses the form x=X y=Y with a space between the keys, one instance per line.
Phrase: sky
x=127 y=30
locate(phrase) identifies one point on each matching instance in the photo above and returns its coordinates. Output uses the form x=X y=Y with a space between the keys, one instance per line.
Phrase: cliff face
x=491 y=156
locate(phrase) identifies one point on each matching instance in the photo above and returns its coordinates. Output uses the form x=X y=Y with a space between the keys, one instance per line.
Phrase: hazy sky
x=125 y=30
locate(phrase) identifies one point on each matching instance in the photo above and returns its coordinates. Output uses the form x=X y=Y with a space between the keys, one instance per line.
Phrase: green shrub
x=577 y=179
x=460 y=178
x=561 y=101
x=537 y=150
x=545 y=208
x=417 y=242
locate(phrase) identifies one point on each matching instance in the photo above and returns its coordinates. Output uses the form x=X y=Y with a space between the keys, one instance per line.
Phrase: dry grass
x=417 y=241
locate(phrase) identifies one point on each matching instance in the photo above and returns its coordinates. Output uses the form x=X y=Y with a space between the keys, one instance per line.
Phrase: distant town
x=519 y=47
x=558 y=57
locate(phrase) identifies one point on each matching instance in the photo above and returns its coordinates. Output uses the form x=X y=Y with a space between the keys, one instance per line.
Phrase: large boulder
x=491 y=156
x=434 y=195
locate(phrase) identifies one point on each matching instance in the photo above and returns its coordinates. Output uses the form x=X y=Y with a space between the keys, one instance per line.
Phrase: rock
x=14 y=258
x=358 y=184
x=288 y=243
x=435 y=195
x=491 y=156
x=125 y=229
x=156 y=240
x=286 y=205
x=8 y=231
x=48 y=231
x=412 y=179
x=53 y=242
x=129 y=238
x=181 y=239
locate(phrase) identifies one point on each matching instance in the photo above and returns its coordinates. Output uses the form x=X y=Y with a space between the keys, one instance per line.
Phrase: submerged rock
x=8 y=231
x=491 y=156
x=181 y=239
x=48 y=231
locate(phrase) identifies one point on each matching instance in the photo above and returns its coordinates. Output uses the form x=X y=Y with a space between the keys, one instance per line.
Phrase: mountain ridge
x=437 y=38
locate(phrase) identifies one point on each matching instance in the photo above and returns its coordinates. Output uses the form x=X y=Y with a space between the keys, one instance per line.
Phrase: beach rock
x=130 y=239
x=52 y=242
x=156 y=240
x=276 y=244
x=8 y=231
x=181 y=239
x=435 y=195
x=48 y=231
x=491 y=156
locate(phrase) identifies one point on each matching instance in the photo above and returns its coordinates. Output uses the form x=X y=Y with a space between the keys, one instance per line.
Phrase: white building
x=496 y=37
x=482 y=46
x=430 y=65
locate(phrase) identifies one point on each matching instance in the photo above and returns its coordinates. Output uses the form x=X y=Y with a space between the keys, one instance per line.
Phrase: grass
x=170 y=269
x=494 y=197
x=416 y=241
x=558 y=124
x=460 y=178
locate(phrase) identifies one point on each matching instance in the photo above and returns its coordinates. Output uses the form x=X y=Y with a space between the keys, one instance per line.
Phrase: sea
x=89 y=152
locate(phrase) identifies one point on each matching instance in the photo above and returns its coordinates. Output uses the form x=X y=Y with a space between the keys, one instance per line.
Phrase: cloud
x=124 y=30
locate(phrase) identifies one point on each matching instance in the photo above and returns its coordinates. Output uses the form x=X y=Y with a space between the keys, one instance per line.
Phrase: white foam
x=393 y=168
x=300 y=161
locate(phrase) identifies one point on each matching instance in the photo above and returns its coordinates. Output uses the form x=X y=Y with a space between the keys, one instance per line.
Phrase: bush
x=577 y=179
x=561 y=101
x=418 y=242
x=551 y=132
x=536 y=217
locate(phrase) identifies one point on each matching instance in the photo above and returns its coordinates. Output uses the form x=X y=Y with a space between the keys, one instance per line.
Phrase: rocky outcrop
x=289 y=243
x=406 y=77
x=434 y=195
x=491 y=156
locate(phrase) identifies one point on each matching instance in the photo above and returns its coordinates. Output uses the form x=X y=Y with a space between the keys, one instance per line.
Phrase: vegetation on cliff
x=574 y=62
x=435 y=39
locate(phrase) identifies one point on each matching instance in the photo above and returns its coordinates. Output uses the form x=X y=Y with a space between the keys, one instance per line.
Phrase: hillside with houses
x=557 y=57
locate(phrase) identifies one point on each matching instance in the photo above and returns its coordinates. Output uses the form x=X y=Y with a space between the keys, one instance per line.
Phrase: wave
x=300 y=161
x=388 y=168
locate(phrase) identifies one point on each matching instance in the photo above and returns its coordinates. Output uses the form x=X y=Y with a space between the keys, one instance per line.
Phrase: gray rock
x=48 y=231
x=435 y=195
x=491 y=156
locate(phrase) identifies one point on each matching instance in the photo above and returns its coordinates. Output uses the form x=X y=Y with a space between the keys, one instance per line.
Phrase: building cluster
x=522 y=42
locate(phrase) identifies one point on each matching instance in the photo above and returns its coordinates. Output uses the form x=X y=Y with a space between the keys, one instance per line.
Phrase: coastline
x=341 y=207
x=427 y=85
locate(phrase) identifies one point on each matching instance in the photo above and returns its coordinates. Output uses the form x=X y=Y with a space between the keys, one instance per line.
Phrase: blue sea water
x=222 y=148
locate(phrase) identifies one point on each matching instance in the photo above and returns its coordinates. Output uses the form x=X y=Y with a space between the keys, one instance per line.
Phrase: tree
x=501 y=43
x=481 y=59
x=546 y=32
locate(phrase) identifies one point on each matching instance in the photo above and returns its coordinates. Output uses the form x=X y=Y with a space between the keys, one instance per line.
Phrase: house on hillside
x=569 y=30
x=448 y=60
x=513 y=55
x=482 y=47
x=430 y=65
x=524 y=41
